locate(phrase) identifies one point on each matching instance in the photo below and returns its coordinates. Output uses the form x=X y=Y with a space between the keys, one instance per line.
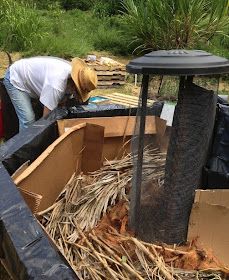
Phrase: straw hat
x=84 y=78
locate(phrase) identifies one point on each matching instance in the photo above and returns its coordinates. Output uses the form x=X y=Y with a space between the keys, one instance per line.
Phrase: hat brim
x=77 y=65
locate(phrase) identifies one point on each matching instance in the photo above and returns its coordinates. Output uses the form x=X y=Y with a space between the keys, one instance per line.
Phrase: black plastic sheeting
x=24 y=246
x=25 y=249
x=216 y=171
x=110 y=110
x=30 y=143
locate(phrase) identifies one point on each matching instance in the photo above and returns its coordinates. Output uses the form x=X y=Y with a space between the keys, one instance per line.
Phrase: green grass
x=59 y=33
x=174 y=24
x=77 y=33
x=19 y=25
x=219 y=46
x=65 y=34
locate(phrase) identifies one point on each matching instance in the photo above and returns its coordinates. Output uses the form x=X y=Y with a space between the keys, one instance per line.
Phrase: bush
x=83 y=5
x=67 y=34
x=103 y=8
x=45 y=4
x=19 y=25
x=168 y=24
x=109 y=37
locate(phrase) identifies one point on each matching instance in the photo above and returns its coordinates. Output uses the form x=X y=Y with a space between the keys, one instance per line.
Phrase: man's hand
x=46 y=111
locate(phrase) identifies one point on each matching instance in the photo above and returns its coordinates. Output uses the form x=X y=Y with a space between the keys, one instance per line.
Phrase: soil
x=4 y=61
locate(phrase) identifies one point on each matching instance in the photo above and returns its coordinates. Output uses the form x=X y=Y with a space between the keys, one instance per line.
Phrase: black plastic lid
x=179 y=62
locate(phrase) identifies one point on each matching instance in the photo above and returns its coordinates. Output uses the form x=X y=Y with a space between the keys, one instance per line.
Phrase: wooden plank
x=134 y=103
x=108 y=83
x=108 y=68
x=108 y=73
x=108 y=86
x=126 y=99
x=128 y=105
x=123 y=96
x=117 y=94
x=110 y=78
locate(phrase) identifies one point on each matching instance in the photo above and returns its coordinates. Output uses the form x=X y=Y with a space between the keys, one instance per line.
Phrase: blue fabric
x=21 y=102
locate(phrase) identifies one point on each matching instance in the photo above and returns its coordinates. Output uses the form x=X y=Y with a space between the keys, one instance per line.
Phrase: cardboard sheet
x=33 y=200
x=20 y=170
x=209 y=222
x=114 y=126
x=119 y=130
x=82 y=147
x=162 y=134
x=93 y=148
x=50 y=172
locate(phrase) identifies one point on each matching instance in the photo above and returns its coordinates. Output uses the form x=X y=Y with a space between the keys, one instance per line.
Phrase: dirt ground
x=128 y=88
x=4 y=61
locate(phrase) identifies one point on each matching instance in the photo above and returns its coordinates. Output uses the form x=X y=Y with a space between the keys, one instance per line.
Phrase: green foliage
x=68 y=34
x=168 y=24
x=104 y=8
x=219 y=46
x=110 y=38
x=44 y=4
x=42 y=27
x=19 y=25
x=83 y=5
x=77 y=33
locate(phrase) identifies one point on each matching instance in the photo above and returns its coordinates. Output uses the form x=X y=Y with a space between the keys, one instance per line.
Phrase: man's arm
x=46 y=111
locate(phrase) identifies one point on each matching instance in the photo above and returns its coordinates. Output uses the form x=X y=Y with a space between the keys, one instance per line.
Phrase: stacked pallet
x=110 y=73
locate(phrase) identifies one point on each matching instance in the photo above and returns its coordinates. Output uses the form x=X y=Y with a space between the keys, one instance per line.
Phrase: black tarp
x=110 y=110
x=25 y=248
x=31 y=142
x=216 y=171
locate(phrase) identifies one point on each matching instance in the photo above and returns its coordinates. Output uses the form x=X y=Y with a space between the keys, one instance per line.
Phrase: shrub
x=168 y=24
x=83 y=5
x=67 y=34
x=103 y=8
x=45 y=4
x=109 y=37
x=19 y=25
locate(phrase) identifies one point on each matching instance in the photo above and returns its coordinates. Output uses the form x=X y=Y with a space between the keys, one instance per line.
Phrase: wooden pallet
x=109 y=76
x=110 y=68
x=125 y=99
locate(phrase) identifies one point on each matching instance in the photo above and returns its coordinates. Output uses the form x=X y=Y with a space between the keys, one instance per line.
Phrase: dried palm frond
x=88 y=223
